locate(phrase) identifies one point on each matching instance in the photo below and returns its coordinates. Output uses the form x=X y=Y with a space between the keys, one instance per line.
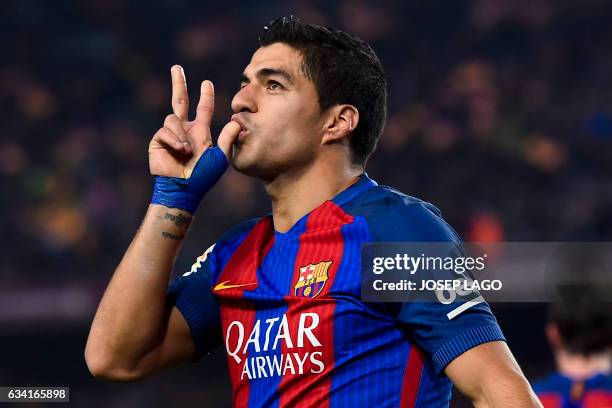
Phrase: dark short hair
x=344 y=70
x=585 y=328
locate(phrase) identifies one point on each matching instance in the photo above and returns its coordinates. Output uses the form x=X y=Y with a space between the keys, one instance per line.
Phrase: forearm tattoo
x=172 y=236
x=178 y=220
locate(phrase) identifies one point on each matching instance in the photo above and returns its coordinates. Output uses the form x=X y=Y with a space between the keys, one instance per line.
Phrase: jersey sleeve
x=443 y=331
x=193 y=297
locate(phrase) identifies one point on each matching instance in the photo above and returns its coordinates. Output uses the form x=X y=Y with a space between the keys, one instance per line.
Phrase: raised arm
x=135 y=332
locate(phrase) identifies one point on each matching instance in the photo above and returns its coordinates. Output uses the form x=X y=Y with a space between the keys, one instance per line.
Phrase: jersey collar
x=364 y=183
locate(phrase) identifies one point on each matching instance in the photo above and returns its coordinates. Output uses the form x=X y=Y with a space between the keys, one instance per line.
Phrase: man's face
x=278 y=106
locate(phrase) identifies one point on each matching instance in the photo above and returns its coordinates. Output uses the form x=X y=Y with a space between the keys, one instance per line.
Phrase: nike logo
x=224 y=285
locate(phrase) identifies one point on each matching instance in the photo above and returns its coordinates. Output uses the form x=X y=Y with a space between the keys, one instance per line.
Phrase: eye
x=274 y=86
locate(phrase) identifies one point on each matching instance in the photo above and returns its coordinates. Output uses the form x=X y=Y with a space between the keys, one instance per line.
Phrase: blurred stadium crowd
x=500 y=113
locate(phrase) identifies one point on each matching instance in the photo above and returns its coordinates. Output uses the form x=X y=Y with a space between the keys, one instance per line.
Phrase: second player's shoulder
x=601 y=382
x=393 y=216
x=553 y=382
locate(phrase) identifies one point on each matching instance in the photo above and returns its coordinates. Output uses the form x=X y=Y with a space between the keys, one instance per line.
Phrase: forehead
x=277 y=55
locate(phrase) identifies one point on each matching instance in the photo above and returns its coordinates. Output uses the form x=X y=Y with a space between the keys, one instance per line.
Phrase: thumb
x=228 y=135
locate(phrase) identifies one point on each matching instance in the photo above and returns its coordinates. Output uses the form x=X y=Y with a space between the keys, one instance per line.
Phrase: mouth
x=243 y=129
x=242 y=135
x=239 y=121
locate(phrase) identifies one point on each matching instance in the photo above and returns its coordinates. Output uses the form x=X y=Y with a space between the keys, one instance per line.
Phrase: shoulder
x=224 y=247
x=601 y=381
x=231 y=239
x=394 y=216
x=237 y=232
x=552 y=383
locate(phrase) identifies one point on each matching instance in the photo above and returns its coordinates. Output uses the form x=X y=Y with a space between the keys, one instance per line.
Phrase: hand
x=175 y=149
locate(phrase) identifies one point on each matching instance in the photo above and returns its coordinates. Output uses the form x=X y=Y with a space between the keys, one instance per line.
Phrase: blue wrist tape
x=186 y=194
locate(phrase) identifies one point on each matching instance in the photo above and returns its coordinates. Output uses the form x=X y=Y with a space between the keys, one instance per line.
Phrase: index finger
x=180 y=98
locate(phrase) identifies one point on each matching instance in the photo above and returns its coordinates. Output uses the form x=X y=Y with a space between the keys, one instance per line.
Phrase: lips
x=236 y=118
x=243 y=129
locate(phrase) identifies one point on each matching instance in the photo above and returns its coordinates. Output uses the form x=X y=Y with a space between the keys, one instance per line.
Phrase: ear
x=554 y=338
x=340 y=121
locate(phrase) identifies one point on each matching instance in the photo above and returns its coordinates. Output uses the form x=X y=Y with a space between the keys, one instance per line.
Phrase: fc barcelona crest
x=312 y=279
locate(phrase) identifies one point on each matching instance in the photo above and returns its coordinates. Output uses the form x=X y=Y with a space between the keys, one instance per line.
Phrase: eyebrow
x=268 y=72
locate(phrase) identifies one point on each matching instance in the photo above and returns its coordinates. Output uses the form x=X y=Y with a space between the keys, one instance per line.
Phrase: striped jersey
x=559 y=391
x=287 y=309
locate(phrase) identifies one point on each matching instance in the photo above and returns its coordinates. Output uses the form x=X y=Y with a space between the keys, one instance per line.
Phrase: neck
x=579 y=367
x=294 y=194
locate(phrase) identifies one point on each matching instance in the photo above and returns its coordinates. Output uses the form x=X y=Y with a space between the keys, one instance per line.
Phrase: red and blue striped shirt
x=287 y=307
x=559 y=391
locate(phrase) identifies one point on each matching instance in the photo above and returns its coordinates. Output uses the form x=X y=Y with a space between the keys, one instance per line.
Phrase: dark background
x=499 y=113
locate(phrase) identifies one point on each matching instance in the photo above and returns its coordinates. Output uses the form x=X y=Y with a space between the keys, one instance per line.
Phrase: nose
x=244 y=100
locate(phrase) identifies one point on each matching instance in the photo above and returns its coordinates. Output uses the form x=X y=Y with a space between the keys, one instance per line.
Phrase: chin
x=244 y=164
x=252 y=167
